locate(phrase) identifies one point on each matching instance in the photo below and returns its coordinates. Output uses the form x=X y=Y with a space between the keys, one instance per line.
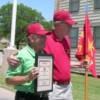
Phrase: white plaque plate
x=45 y=77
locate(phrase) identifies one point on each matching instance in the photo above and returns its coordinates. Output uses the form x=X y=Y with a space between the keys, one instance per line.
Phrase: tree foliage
x=25 y=15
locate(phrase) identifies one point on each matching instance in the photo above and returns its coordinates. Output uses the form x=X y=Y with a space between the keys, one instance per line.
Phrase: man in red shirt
x=58 y=44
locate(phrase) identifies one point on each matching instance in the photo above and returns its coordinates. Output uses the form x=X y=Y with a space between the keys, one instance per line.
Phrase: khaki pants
x=61 y=92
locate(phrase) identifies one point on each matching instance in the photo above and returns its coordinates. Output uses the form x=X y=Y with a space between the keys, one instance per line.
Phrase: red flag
x=86 y=49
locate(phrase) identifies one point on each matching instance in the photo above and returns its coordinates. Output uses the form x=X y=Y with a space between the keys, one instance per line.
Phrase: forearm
x=16 y=80
x=76 y=64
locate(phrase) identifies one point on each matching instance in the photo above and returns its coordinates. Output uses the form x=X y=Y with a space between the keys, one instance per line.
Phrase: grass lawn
x=3 y=84
x=78 y=87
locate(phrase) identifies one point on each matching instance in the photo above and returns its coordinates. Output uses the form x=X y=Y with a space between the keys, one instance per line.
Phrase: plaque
x=44 y=81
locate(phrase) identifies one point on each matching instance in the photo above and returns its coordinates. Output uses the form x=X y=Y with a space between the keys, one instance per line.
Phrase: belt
x=61 y=83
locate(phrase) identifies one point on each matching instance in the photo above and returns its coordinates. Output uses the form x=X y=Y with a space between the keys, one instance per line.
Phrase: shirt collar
x=31 y=51
x=66 y=38
x=55 y=37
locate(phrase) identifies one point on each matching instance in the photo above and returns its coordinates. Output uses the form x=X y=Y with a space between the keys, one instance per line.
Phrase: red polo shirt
x=61 y=53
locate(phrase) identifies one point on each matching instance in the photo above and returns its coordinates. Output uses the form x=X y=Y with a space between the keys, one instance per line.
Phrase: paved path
x=6 y=94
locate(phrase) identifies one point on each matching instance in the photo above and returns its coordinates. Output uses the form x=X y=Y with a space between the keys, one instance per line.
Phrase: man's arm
x=13 y=61
x=81 y=64
x=15 y=80
x=76 y=64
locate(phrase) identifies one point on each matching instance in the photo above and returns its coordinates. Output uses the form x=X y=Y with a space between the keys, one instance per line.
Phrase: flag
x=86 y=49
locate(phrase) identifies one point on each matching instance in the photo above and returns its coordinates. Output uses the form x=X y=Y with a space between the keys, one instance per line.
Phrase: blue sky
x=46 y=7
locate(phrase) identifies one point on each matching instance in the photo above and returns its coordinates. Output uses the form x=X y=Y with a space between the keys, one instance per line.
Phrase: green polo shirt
x=27 y=60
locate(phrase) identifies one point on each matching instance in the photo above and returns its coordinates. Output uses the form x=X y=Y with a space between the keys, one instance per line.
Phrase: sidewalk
x=6 y=94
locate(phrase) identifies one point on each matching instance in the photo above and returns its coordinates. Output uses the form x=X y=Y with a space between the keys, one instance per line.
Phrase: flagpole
x=86 y=82
x=11 y=48
x=85 y=65
x=13 y=24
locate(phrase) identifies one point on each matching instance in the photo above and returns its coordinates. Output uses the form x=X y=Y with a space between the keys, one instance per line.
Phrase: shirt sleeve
x=14 y=71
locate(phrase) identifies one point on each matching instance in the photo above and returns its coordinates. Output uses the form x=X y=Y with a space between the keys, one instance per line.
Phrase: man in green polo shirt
x=22 y=77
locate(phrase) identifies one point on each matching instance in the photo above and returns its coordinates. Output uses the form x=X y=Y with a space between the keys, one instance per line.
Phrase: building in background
x=77 y=8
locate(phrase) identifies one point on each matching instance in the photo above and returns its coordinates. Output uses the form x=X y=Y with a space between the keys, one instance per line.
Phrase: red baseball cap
x=64 y=15
x=36 y=28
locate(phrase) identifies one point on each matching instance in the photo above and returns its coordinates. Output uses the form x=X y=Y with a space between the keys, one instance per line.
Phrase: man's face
x=38 y=41
x=62 y=29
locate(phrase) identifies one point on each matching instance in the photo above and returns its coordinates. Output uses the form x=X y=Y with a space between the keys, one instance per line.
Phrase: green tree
x=25 y=15
x=47 y=25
